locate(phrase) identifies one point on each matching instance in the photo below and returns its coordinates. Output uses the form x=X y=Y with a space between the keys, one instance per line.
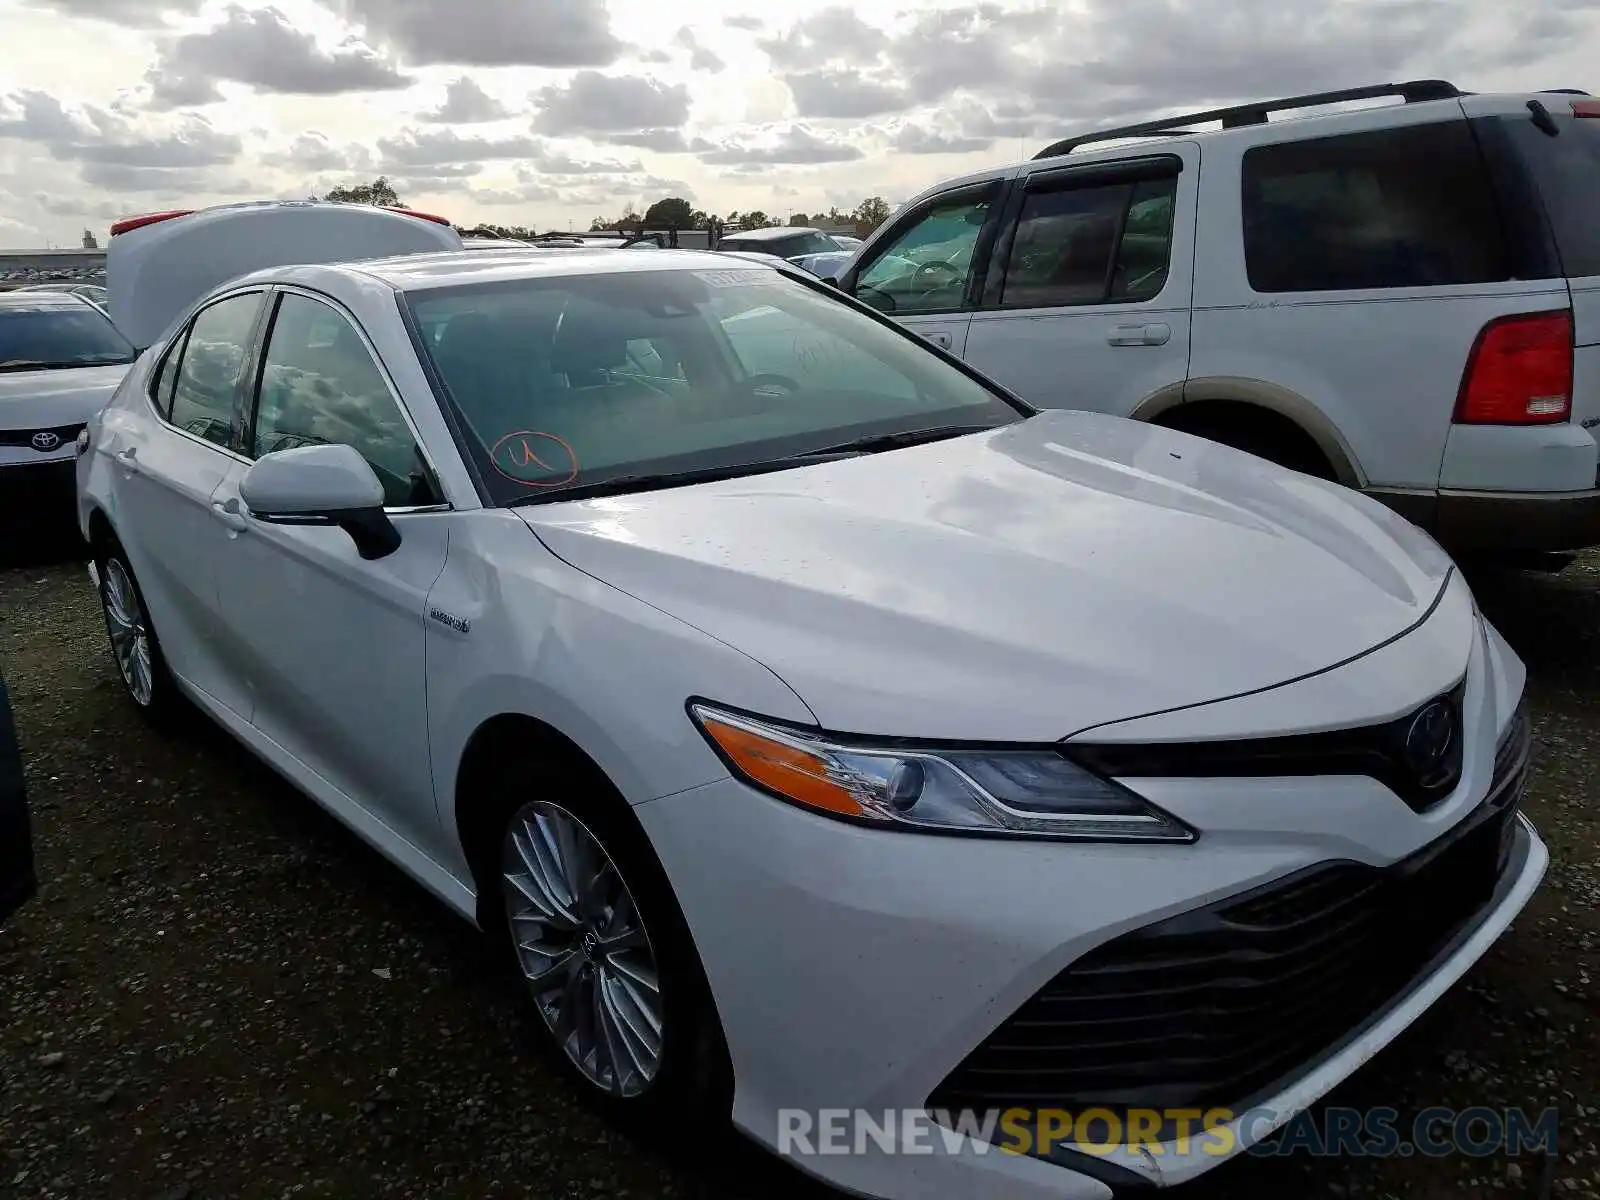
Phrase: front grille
x=24 y=437
x=1211 y=1008
x=1377 y=751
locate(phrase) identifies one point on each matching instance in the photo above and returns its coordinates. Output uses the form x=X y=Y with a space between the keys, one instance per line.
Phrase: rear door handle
x=230 y=515
x=938 y=338
x=129 y=459
x=1155 y=333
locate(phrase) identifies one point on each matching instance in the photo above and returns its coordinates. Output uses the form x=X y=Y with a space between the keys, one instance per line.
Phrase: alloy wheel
x=583 y=948
x=129 y=632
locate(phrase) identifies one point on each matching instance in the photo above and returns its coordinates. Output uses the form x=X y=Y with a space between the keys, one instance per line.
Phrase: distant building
x=89 y=240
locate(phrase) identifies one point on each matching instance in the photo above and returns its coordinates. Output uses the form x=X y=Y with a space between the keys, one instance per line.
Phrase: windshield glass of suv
x=574 y=380
x=59 y=335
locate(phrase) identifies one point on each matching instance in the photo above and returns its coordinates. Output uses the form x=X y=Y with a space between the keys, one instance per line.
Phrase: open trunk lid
x=158 y=265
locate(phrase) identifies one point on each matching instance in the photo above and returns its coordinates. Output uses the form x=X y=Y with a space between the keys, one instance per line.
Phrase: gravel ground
x=221 y=993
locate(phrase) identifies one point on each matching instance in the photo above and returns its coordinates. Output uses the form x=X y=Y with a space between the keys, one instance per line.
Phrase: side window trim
x=178 y=347
x=1060 y=179
x=910 y=218
x=258 y=369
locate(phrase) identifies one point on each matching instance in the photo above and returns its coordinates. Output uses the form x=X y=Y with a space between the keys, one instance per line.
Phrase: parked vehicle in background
x=677 y=621
x=1403 y=298
x=828 y=263
x=91 y=292
x=60 y=360
x=845 y=242
x=150 y=283
x=17 y=878
x=780 y=241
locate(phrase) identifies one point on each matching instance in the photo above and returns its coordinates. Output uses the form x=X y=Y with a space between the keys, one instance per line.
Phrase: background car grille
x=1214 y=1006
x=24 y=437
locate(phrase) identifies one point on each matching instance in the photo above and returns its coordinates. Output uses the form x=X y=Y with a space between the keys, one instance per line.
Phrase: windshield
x=571 y=381
x=59 y=335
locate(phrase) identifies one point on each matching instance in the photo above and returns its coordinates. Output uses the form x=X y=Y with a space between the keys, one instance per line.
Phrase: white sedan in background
x=818 y=725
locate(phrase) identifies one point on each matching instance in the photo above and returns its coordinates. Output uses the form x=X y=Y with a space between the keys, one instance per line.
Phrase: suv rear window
x=1406 y=207
x=1566 y=170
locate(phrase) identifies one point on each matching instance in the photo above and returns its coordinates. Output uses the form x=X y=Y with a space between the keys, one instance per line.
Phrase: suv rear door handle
x=1156 y=333
x=938 y=338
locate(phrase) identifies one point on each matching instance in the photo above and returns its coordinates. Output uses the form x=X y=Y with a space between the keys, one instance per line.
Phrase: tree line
x=674 y=212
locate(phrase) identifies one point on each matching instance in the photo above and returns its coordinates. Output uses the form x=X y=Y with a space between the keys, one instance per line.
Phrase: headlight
x=1038 y=792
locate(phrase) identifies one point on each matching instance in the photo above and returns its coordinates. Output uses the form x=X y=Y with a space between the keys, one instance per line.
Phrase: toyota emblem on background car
x=44 y=441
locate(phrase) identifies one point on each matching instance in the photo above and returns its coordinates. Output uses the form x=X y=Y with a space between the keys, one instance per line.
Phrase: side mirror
x=322 y=485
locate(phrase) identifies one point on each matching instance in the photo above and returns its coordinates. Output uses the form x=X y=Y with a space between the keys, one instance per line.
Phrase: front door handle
x=1155 y=333
x=938 y=338
x=230 y=515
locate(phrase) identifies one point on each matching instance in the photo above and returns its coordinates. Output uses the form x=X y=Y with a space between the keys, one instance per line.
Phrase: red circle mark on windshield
x=535 y=459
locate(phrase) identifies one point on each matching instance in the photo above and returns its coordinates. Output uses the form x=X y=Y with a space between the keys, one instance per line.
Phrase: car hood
x=63 y=396
x=1024 y=584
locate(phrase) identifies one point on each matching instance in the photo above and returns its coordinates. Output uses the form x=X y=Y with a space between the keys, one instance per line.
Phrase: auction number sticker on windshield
x=733 y=278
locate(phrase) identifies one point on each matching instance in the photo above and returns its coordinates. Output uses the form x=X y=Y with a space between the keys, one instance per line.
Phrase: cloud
x=314 y=152
x=833 y=92
x=738 y=21
x=795 y=144
x=100 y=138
x=466 y=103
x=593 y=103
x=430 y=147
x=917 y=139
x=700 y=58
x=663 y=141
x=138 y=14
x=263 y=50
x=491 y=33
x=831 y=35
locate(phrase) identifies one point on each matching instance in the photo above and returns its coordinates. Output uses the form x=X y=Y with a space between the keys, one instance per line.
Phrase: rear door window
x=1566 y=170
x=1391 y=208
x=207 y=381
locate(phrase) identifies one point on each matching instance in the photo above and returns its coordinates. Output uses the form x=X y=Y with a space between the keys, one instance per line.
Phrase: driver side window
x=319 y=385
x=925 y=267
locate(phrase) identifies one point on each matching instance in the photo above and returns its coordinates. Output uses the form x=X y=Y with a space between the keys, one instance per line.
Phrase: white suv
x=1403 y=298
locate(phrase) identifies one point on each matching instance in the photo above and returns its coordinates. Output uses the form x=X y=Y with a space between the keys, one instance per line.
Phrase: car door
x=331 y=644
x=171 y=457
x=925 y=270
x=1086 y=304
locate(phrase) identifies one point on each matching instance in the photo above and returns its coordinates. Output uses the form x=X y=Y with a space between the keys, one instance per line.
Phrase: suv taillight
x=1519 y=372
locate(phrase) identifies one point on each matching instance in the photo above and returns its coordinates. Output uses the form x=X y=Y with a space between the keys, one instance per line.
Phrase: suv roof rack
x=1415 y=91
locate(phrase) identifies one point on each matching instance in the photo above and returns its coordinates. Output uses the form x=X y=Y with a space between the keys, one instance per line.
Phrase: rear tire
x=135 y=648
x=586 y=911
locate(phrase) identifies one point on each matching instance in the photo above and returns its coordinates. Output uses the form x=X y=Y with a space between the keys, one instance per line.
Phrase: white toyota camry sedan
x=821 y=727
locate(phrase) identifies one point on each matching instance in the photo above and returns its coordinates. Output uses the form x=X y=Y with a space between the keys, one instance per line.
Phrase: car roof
x=423 y=272
x=769 y=234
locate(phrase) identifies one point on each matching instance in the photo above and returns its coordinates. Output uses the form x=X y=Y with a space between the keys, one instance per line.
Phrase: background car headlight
x=1037 y=792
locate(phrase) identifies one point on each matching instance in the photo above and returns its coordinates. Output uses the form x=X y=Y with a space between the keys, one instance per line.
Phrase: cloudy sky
x=550 y=112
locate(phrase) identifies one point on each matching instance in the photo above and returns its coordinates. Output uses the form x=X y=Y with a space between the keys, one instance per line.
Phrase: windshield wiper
x=893 y=441
x=23 y=364
x=620 y=484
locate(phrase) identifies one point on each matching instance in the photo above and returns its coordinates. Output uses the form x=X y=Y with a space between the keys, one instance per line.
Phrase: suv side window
x=1407 y=207
x=206 y=380
x=319 y=385
x=1091 y=245
x=925 y=267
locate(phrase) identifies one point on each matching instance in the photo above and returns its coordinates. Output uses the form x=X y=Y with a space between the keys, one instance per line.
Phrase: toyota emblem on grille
x=44 y=441
x=1430 y=739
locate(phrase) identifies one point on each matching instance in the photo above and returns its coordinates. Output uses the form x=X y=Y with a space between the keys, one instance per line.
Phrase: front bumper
x=855 y=969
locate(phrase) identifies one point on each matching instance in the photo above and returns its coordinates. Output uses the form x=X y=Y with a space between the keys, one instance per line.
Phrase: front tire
x=619 y=997
x=134 y=646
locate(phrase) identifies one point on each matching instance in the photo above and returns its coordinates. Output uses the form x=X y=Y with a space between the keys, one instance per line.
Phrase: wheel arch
x=1215 y=393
